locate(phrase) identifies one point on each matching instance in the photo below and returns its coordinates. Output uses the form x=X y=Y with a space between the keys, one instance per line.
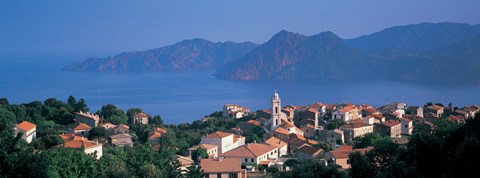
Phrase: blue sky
x=107 y=27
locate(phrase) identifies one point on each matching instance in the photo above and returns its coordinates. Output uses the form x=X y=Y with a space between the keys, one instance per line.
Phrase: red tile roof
x=391 y=123
x=435 y=107
x=154 y=135
x=140 y=115
x=208 y=146
x=218 y=134
x=274 y=141
x=309 y=149
x=355 y=125
x=405 y=119
x=26 y=126
x=77 y=144
x=282 y=131
x=254 y=122
x=225 y=165
x=158 y=129
x=81 y=126
x=250 y=150
x=347 y=109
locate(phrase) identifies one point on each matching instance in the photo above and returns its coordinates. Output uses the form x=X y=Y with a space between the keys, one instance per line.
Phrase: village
x=323 y=132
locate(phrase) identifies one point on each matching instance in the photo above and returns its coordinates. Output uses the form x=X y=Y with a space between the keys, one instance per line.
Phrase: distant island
x=426 y=52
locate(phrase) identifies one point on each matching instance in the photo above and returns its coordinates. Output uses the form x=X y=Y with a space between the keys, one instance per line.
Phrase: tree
x=71 y=101
x=149 y=170
x=360 y=166
x=335 y=124
x=199 y=154
x=157 y=120
x=367 y=140
x=81 y=106
x=194 y=172
x=112 y=114
x=4 y=101
x=97 y=132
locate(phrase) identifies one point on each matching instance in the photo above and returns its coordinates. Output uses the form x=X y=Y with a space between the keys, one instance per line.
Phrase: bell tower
x=276 y=110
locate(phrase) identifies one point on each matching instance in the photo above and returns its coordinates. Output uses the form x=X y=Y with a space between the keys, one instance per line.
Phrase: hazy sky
x=107 y=27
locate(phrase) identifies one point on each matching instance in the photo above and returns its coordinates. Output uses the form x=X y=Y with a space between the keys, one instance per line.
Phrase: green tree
x=97 y=132
x=149 y=171
x=360 y=166
x=4 y=101
x=195 y=172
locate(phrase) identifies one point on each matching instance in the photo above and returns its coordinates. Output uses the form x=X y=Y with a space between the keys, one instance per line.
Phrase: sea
x=186 y=97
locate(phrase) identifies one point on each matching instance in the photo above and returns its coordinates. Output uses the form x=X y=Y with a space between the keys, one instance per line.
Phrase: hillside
x=422 y=36
x=189 y=55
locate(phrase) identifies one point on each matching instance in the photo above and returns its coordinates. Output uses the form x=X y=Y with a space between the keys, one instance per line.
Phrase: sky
x=93 y=28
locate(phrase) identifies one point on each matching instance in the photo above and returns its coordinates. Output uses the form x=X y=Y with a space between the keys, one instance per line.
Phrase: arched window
x=276 y=110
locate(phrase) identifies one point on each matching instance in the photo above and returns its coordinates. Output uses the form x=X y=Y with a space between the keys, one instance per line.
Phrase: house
x=457 y=119
x=281 y=145
x=289 y=111
x=212 y=150
x=407 y=126
x=333 y=136
x=461 y=113
x=90 y=119
x=224 y=141
x=247 y=127
x=80 y=129
x=235 y=111
x=472 y=110
x=253 y=153
x=307 y=152
x=354 y=130
x=308 y=113
x=78 y=142
x=109 y=127
x=415 y=110
x=391 y=128
x=369 y=119
x=185 y=162
x=402 y=142
x=397 y=105
x=122 y=140
x=154 y=135
x=296 y=141
x=140 y=118
x=223 y=167
x=340 y=157
x=378 y=118
x=438 y=110
x=121 y=129
x=308 y=131
x=27 y=129
x=346 y=113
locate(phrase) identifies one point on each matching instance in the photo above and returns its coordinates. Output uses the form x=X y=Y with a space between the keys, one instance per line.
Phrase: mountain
x=290 y=55
x=294 y=56
x=189 y=55
x=422 y=36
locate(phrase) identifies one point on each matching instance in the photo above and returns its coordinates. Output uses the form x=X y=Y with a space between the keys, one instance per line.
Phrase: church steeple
x=276 y=110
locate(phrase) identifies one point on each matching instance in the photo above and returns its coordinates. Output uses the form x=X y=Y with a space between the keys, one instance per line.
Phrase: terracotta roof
x=338 y=131
x=312 y=109
x=154 y=135
x=266 y=163
x=121 y=136
x=369 y=117
x=378 y=116
x=218 y=134
x=309 y=149
x=347 y=109
x=208 y=146
x=459 y=118
x=81 y=126
x=391 y=123
x=345 y=148
x=107 y=125
x=26 y=126
x=340 y=154
x=364 y=150
x=224 y=165
x=158 y=129
x=355 y=125
x=287 y=124
x=281 y=131
x=357 y=120
x=274 y=141
x=67 y=137
x=435 y=107
x=77 y=144
x=124 y=126
x=140 y=115
x=405 y=119
x=184 y=161
x=254 y=122
x=250 y=150
x=236 y=137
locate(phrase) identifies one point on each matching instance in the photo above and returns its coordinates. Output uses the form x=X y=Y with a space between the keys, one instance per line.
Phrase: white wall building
x=224 y=141
x=28 y=130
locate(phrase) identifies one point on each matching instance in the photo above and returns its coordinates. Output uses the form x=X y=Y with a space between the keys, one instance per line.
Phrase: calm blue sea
x=186 y=97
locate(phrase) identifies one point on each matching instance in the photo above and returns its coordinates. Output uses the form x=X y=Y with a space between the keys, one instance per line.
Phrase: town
x=242 y=143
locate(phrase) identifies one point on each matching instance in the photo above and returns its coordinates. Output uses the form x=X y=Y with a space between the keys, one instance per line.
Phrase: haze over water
x=186 y=97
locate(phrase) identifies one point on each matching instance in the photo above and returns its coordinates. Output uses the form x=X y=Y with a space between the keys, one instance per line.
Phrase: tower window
x=276 y=110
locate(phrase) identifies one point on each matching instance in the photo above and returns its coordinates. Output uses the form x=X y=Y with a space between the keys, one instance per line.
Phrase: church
x=278 y=123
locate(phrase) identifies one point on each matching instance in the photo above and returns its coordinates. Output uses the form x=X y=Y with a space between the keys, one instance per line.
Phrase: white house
x=90 y=119
x=80 y=129
x=224 y=141
x=28 y=130
x=253 y=153
x=281 y=145
x=235 y=111
x=140 y=118
x=347 y=113
x=76 y=142
x=407 y=126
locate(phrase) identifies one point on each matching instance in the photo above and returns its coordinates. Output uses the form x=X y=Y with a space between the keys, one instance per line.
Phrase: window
x=233 y=175
x=246 y=160
x=332 y=136
x=252 y=160
x=276 y=109
x=219 y=175
x=406 y=126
